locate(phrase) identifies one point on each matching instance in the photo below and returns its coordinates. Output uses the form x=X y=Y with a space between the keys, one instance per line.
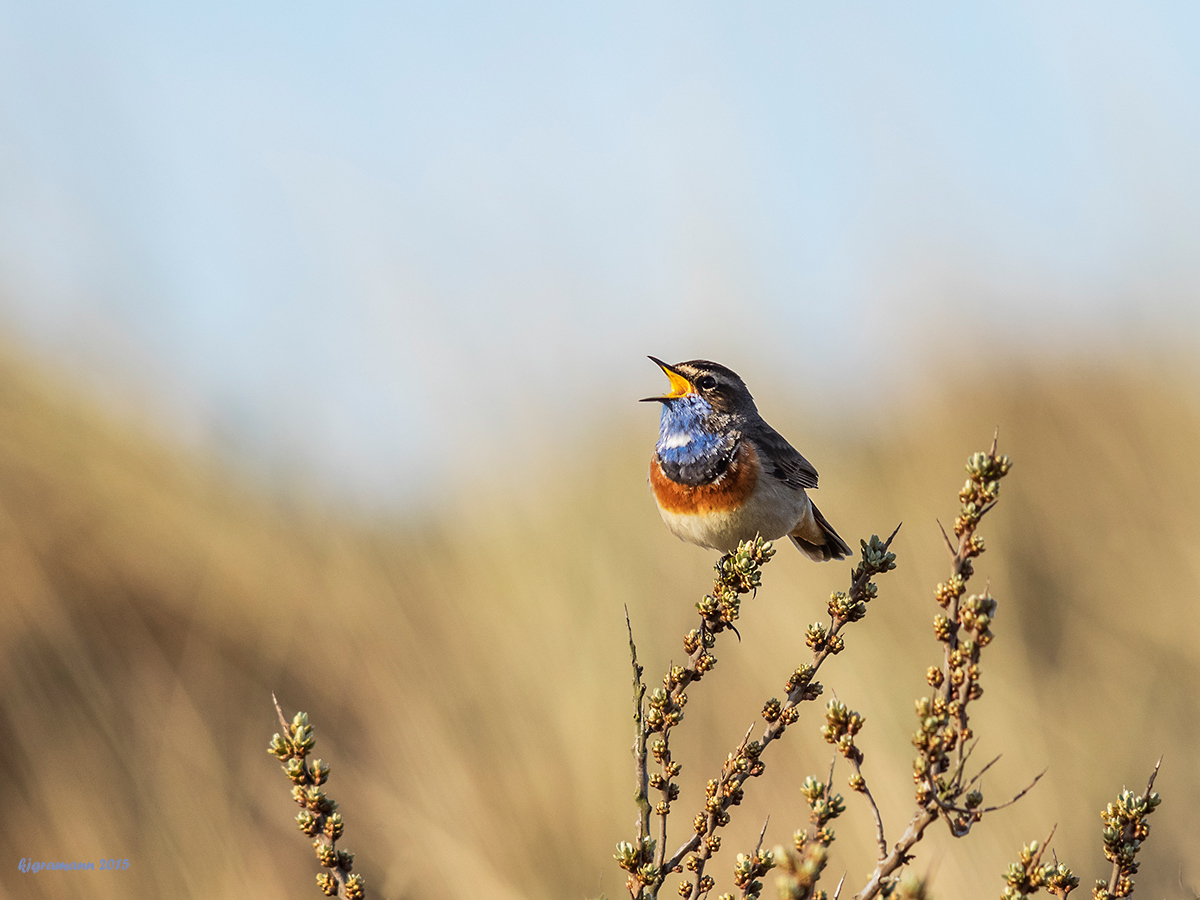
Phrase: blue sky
x=341 y=238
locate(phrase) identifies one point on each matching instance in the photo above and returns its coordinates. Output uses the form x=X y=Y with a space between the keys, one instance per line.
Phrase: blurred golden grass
x=467 y=671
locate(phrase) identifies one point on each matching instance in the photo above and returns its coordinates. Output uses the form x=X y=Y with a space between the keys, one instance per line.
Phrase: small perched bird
x=721 y=475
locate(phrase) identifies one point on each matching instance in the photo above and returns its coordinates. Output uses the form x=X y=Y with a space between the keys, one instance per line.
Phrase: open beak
x=680 y=386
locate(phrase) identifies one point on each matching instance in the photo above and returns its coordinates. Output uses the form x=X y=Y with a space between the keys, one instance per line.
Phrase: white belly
x=773 y=510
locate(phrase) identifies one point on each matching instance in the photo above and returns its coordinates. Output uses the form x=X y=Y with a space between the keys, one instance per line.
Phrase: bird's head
x=701 y=383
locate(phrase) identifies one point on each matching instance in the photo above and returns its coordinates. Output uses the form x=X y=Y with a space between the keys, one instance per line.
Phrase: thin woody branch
x=738 y=573
x=318 y=818
x=943 y=740
x=745 y=762
x=859 y=783
x=641 y=772
x=1125 y=830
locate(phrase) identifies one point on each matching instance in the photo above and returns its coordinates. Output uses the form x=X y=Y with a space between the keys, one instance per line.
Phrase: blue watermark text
x=110 y=865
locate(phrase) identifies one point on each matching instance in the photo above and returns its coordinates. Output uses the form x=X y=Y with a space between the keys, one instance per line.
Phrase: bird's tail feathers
x=831 y=546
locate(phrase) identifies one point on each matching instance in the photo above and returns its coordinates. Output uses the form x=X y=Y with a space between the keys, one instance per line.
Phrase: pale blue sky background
x=340 y=238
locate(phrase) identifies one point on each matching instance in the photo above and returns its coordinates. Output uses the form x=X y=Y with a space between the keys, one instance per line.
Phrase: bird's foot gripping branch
x=947 y=788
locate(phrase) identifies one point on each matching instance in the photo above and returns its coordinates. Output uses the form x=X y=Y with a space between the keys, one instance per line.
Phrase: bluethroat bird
x=721 y=475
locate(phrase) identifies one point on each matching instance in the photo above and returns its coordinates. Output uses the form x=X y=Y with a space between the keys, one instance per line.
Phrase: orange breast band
x=728 y=492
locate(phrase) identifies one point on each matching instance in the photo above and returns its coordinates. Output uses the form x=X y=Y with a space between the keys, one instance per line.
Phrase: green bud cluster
x=748 y=869
x=842 y=607
x=742 y=569
x=707 y=883
x=935 y=739
x=975 y=614
x=799 y=871
x=317 y=818
x=1059 y=879
x=638 y=861
x=984 y=471
x=876 y=559
x=1027 y=876
x=801 y=865
x=801 y=679
x=665 y=709
x=308 y=822
x=726 y=791
x=841 y=725
x=824 y=806
x=354 y=888
x=697 y=638
x=1125 y=828
x=819 y=638
x=852 y=606
x=949 y=591
x=738 y=573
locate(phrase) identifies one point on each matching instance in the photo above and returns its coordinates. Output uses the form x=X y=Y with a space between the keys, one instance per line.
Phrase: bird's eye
x=706 y=382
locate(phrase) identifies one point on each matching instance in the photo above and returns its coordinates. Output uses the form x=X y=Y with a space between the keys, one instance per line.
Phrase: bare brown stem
x=641 y=773
x=865 y=790
x=1037 y=857
x=949 y=544
x=899 y=854
x=1018 y=796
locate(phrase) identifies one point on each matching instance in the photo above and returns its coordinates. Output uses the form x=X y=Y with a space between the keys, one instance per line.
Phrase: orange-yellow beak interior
x=680 y=386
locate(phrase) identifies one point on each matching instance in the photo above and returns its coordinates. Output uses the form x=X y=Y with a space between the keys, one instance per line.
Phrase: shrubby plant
x=947 y=788
x=946 y=785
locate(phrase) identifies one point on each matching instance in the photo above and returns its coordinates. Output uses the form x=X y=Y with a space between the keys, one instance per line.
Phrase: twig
x=318 y=818
x=946 y=807
x=859 y=784
x=1007 y=803
x=949 y=544
x=802 y=686
x=945 y=731
x=899 y=854
x=641 y=773
x=866 y=791
x=279 y=712
x=762 y=834
x=737 y=573
x=749 y=868
x=708 y=848
x=1037 y=857
x=1127 y=835
x=974 y=778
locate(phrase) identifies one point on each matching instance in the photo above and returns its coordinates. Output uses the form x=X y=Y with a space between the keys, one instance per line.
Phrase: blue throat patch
x=687 y=448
